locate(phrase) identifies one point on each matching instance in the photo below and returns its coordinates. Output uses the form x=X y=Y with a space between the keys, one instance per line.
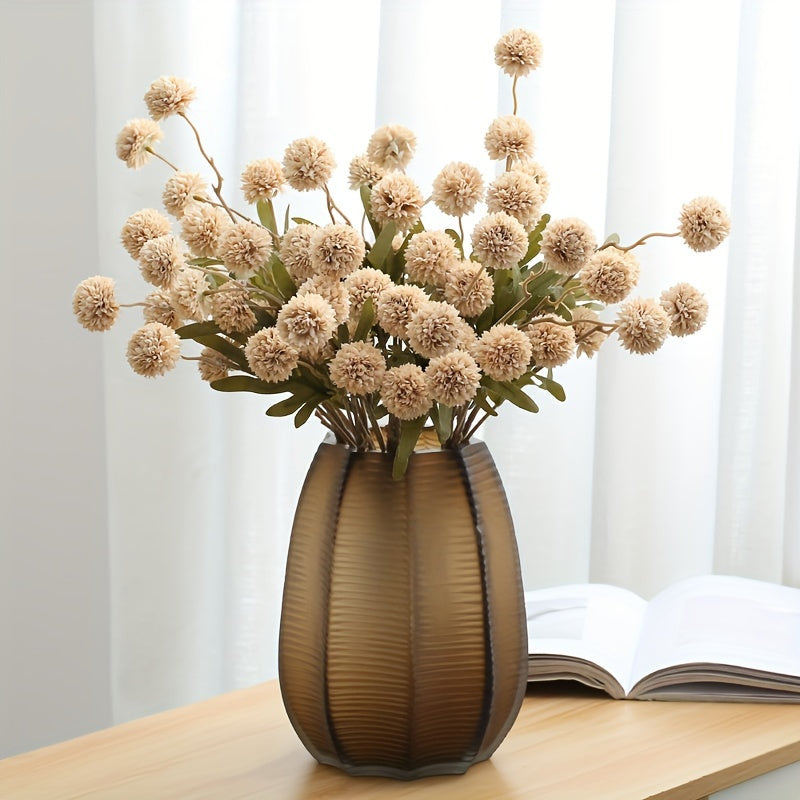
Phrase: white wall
x=54 y=638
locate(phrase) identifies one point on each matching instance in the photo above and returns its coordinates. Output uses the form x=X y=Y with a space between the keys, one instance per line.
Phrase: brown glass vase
x=403 y=645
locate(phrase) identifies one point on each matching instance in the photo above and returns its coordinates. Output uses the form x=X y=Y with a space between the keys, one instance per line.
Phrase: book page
x=594 y=622
x=721 y=619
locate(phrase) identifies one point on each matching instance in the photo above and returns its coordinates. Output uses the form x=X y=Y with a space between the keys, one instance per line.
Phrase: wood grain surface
x=567 y=744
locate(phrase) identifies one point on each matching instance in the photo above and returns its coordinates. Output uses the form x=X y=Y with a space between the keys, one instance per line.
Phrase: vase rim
x=330 y=439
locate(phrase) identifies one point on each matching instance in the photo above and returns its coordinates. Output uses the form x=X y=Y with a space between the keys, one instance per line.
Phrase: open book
x=706 y=638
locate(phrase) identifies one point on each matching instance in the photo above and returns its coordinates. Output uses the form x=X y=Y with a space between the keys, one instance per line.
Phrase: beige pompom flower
x=307 y=322
x=262 y=179
x=610 y=274
x=518 y=195
x=503 y=352
x=333 y=290
x=469 y=288
x=499 y=241
x=686 y=307
x=202 y=225
x=537 y=172
x=358 y=368
x=429 y=256
x=160 y=259
x=336 y=250
x=135 y=140
x=363 y=284
x=212 y=365
x=270 y=357
x=391 y=147
x=552 y=343
x=153 y=350
x=453 y=379
x=435 y=329
x=182 y=189
x=141 y=227
x=396 y=306
x=518 y=52
x=509 y=137
x=158 y=307
x=589 y=336
x=704 y=224
x=642 y=325
x=230 y=308
x=404 y=392
x=94 y=303
x=295 y=251
x=458 y=188
x=363 y=172
x=308 y=164
x=188 y=294
x=567 y=245
x=168 y=95
x=396 y=198
x=244 y=248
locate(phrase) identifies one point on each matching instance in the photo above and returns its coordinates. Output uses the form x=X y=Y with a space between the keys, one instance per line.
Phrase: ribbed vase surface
x=403 y=644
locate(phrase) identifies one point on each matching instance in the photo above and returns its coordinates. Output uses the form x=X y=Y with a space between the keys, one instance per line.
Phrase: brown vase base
x=382 y=771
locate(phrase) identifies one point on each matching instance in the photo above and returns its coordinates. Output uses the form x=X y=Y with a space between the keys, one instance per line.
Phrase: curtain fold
x=656 y=467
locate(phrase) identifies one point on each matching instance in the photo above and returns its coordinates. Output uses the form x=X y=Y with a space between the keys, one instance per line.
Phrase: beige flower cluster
x=381 y=334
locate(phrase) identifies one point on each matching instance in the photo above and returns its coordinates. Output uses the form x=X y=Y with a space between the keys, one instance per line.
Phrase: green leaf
x=281 y=278
x=542 y=285
x=383 y=247
x=485 y=320
x=409 y=434
x=483 y=403
x=197 y=329
x=266 y=213
x=245 y=383
x=443 y=422
x=366 y=194
x=457 y=239
x=305 y=412
x=365 y=321
x=549 y=385
x=612 y=238
x=217 y=278
x=203 y=262
x=283 y=408
x=506 y=289
x=508 y=391
x=227 y=348
x=302 y=221
x=286 y=220
x=535 y=239
x=317 y=381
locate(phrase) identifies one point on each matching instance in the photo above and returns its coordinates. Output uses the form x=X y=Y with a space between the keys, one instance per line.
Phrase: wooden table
x=567 y=744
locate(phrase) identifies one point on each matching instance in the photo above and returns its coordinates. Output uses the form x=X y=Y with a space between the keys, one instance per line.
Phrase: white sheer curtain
x=656 y=467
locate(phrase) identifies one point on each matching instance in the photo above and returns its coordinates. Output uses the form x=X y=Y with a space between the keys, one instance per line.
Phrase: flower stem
x=161 y=158
x=333 y=207
x=525 y=297
x=475 y=425
x=198 y=198
x=639 y=241
x=514 y=93
x=375 y=424
x=332 y=418
x=218 y=187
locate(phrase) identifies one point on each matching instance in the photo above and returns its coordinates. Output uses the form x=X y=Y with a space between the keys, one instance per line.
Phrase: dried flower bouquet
x=382 y=334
